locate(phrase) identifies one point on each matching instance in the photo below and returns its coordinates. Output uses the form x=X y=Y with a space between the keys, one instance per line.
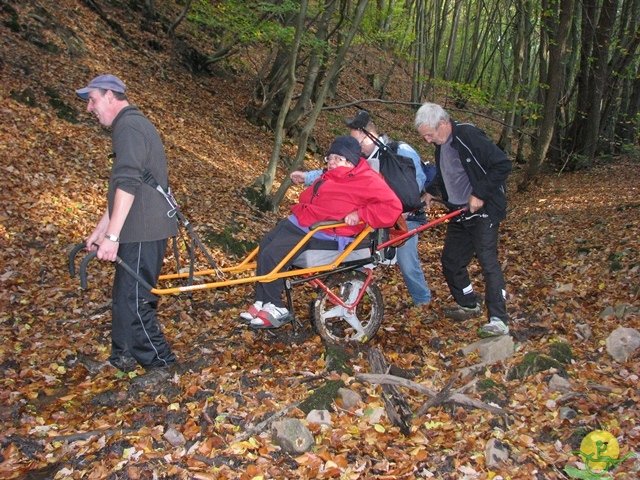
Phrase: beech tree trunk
x=556 y=55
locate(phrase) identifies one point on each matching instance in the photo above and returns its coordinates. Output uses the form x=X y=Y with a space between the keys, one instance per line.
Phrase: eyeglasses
x=335 y=158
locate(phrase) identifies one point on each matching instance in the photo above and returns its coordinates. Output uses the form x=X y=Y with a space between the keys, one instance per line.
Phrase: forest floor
x=570 y=250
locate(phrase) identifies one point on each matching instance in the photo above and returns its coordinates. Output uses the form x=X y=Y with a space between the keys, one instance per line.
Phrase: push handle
x=72 y=258
x=90 y=256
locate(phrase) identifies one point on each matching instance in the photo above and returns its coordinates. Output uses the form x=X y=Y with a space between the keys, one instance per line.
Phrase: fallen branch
x=87 y=435
x=439 y=399
x=264 y=424
x=298 y=380
x=396 y=406
x=458 y=398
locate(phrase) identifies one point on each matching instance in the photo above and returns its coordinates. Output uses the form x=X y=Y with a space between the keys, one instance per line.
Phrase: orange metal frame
x=247 y=265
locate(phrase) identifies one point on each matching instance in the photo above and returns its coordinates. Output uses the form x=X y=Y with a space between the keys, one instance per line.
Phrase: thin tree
x=518 y=38
x=334 y=70
x=279 y=130
x=561 y=22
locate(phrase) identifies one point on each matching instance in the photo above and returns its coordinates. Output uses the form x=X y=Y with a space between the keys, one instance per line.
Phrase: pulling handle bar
x=89 y=257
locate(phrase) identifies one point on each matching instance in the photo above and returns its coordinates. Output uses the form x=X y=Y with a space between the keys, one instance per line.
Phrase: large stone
x=322 y=417
x=292 y=435
x=349 y=398
x=174 y=437
x=559 y=384
x=609 y=311
x=490 y=350
x=622 y=343
x=495 y=452
x=567 y=413
x=583 y=331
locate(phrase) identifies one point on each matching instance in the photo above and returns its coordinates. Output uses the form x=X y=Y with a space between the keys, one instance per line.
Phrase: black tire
x=330 y=320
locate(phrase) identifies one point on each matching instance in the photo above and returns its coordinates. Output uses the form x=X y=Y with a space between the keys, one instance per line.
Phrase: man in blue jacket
x=471 y=171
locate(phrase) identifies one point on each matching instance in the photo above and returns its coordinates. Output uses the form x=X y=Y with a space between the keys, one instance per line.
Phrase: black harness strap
x=174 y=211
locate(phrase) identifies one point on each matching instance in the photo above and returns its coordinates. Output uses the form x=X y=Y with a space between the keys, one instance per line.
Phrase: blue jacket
x=486 y=165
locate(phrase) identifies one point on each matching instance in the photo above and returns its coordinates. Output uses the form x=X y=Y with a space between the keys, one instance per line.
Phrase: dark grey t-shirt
x=455 y=178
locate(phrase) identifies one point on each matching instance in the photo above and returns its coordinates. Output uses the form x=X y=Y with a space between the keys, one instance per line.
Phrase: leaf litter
x=569 y=250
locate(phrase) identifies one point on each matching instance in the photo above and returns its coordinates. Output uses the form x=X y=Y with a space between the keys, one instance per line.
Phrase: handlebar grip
x=324 y=223
x=90 y=256
x=72 y=258
x=83 y=269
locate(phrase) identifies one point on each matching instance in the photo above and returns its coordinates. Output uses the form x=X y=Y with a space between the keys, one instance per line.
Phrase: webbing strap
x=149 y=179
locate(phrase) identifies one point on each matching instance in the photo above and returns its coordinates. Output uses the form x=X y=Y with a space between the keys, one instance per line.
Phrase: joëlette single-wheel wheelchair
x=349 y=305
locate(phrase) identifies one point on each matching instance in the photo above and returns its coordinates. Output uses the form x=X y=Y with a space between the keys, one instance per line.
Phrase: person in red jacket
x=348 y=191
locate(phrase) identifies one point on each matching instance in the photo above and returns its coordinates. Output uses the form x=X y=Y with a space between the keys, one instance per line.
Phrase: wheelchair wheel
x=334 y=323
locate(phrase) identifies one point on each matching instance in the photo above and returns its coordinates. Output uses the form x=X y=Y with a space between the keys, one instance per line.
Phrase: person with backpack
x=135 y=227
x=348 y=190
x=471 y=171
x=407 y=182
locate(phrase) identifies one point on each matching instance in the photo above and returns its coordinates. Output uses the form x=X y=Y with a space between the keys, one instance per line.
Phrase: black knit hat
x=347 y=147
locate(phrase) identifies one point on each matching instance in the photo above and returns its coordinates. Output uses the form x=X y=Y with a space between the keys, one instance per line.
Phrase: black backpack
x=400 y=174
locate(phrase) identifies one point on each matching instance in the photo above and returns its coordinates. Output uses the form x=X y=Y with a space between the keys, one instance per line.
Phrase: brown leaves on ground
x=569 y=250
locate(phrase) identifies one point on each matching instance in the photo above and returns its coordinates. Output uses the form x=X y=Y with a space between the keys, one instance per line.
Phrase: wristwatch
x=113 y=238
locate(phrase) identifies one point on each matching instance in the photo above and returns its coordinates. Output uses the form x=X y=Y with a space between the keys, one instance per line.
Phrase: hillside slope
x=570 y=250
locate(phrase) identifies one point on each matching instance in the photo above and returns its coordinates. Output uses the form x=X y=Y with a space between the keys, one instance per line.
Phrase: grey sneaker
x=92 y=366
x=460 y=313
x=125 y=364
x=155 y=375
x=494 y=328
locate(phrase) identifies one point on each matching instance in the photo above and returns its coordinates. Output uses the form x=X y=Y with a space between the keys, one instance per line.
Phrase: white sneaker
x=252 y=312
x=494 y=328
x=271 y=317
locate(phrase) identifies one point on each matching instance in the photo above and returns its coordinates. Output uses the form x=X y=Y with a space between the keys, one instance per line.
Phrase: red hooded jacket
x=343 y=190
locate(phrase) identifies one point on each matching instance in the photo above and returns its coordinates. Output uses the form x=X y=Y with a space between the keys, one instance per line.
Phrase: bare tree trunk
x=419 y=53
x=628 y=129
x=279 y=130
x=587 y=141
x=335 y=68
x=151 y=8
x=516 y=81
x=172 y=28
x=314 y=70
x=453 y=36
x=621 y=68
x=556 y=55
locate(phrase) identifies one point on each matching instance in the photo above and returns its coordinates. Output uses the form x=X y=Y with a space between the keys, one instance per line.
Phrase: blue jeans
x=411 y=269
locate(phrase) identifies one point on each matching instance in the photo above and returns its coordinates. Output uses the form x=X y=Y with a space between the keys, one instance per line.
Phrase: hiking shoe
x=271 y=317
x=92 y=366
x=155 y=375
x=494 y=328
x=251 y=313
x=125 y=364
x=460 y=313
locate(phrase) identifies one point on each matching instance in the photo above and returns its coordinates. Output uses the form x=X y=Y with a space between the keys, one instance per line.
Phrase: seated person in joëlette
x=348 y=191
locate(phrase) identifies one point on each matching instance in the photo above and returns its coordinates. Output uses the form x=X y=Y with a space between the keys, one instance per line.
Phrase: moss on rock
x=561 y=352
x=533 y=363
x=323 y=397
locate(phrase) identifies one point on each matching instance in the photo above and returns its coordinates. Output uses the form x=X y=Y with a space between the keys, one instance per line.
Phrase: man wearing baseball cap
x=135 y=226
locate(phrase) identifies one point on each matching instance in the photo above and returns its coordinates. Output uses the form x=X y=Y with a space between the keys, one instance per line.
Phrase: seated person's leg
x=269 y=308
x=274 y=246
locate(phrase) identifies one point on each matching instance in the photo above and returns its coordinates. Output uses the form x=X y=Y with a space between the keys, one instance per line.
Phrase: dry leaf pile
x=569 y=249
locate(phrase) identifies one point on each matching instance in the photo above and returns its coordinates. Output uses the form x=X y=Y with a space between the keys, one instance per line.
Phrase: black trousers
x=135 y=330
x=465 y=238
x=274 y=246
